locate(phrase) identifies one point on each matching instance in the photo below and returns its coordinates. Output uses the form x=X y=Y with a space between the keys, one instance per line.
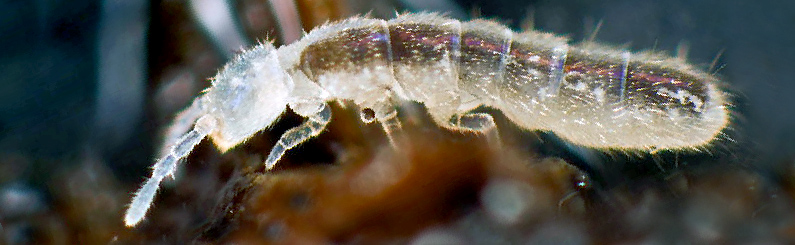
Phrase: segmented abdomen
x=590 y=94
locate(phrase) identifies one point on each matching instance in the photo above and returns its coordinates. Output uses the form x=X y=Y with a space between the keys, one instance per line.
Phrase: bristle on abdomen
x=591 y=94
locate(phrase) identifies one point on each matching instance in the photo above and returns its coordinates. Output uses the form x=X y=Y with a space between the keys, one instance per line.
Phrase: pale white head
x=247 y=95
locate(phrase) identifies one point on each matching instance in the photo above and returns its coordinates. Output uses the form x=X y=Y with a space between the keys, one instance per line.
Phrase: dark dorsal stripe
x=595 y=77
x=491 y=63
x=416 y=44
x=534 y=68
x=665 y=88
x=484 y=49
x=348 y=50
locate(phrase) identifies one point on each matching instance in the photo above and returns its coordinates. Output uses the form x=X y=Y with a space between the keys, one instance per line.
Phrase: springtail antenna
x=165 y=167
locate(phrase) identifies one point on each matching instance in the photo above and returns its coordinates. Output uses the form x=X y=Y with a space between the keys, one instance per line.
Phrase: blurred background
x=87 y=86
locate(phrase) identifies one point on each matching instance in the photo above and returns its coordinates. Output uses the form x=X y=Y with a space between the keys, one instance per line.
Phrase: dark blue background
x=49 y=50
